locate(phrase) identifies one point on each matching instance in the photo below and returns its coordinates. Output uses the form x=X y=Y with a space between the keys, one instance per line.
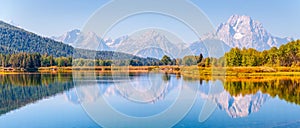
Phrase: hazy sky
x=55 y=17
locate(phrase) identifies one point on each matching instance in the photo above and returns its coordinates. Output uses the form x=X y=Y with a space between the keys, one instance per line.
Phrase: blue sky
x=55 y=17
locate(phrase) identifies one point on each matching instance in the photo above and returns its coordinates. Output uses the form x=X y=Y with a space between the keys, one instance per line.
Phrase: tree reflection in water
x=20 y=89
x=241 y=96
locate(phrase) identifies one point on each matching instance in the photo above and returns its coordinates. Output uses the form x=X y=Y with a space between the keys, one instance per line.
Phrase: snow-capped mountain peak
x=87 y=40
x=150 y=43
x=242 y=31
x=69 y=37
x=114 y=43
x=91 y=40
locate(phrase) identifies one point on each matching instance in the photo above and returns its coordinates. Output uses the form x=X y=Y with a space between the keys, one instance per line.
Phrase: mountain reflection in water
x=237 y=97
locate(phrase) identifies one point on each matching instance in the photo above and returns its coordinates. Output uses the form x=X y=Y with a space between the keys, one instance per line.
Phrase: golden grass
x=191 y=71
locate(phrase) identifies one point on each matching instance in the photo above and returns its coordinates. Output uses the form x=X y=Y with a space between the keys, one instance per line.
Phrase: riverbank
x=190 y=71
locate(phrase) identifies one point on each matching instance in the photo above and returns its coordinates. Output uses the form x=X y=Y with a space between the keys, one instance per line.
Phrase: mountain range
x=239 y=31
x=15 y=40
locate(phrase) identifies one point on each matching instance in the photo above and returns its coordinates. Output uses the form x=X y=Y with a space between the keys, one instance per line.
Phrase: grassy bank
x=190 y=71
x=194 y=71
x=98 y=69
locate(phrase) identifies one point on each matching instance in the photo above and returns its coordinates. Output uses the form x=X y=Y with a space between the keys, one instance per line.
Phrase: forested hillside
x=14 y=40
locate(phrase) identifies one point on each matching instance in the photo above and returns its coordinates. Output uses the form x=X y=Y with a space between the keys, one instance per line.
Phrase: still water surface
x=64 y=100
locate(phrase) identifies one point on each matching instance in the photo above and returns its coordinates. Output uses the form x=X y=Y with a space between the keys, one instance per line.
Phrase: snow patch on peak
x=238 y=36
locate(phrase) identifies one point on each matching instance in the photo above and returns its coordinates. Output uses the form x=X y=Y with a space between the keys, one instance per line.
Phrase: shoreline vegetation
x=282 y=61
x=186 y=71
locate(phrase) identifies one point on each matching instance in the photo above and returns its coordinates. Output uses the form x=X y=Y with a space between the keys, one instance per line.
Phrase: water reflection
x=236 y=97
x=134 y=91
x=21 y=89
x=156 y=97
x=286 y=88
x=236 y=105
x=153 y=87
